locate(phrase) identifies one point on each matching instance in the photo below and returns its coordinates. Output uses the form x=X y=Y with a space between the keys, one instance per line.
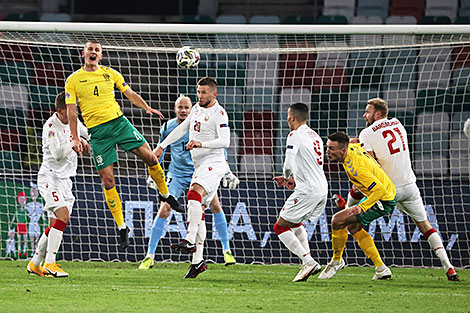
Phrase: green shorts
x=379 y=209
x=105 y=137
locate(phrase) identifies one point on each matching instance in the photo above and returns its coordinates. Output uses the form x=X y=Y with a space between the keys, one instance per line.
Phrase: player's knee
x=194 y=195
x=278 y=229
x=337 y=222
x=165 y=210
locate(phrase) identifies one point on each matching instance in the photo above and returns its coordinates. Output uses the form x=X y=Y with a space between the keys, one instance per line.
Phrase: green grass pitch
x=121 y=287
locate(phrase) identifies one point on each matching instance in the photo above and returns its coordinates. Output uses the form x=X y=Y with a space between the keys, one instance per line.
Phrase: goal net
x=421 y=71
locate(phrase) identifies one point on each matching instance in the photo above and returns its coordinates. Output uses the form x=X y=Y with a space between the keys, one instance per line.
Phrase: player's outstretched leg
x=53 y=243
x=289 y=239
x=195 y=214
x=155 y=236
x=339 y=239
x=366 y=243
x=197 y=264
x=34 y=266
x=115 y=206
x=158 y=176
x=220 y=223
x=437 y=246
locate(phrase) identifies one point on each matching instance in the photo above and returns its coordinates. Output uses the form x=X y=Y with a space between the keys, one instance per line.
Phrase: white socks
x=40 y=250
x=200 y=238
x=194 y=219
x=295 y=246
x=436 y=244
x=55 y=238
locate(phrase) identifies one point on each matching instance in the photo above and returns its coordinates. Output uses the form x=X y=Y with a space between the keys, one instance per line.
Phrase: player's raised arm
x=176 y=134
x=137 y=100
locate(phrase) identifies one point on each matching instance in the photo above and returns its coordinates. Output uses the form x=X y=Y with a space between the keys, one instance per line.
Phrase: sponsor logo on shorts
x=99 y=159
x=380 y=205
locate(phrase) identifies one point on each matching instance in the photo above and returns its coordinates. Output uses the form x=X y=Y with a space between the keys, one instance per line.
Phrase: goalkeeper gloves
x=466 y=128
x=230 y=180
x=151 y=183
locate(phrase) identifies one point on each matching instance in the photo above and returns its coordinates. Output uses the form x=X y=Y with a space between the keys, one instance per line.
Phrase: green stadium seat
x=299 y=19
x=197 y=19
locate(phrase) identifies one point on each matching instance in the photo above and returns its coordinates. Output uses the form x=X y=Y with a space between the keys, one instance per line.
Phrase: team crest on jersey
x=106 y=76
x=206 y=118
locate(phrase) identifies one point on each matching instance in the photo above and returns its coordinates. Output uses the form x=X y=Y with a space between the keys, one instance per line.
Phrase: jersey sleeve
x=70 y=91
x=376 y=189
x=51 y=141
x=177 y=133
x=364 y=139
x=292 y=148
x=119 y=81
x=223 y=132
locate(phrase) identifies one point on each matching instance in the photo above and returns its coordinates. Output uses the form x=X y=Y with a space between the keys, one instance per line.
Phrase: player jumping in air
x=92 y=88
x=209 y=136
x=54 y=183
x=179 y=177
x=367 y=175
x=303 y=167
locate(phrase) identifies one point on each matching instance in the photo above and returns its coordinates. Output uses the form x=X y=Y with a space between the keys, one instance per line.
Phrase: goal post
x=422 y=71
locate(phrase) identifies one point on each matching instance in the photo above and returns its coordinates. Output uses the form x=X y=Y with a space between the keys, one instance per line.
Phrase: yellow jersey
x=94 y=94
x=366 y=174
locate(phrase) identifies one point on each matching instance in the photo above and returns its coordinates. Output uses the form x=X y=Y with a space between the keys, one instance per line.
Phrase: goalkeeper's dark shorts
x=105 y=137
x=379 y=209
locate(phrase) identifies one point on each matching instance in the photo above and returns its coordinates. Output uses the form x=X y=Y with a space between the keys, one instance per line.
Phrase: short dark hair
x=341 y=137
x=207 y=81
x=60 y=101
x=300 y=111
x=92 y=41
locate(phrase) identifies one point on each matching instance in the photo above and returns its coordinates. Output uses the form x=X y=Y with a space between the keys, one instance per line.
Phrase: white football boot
x=306 y=270
x=331 y=269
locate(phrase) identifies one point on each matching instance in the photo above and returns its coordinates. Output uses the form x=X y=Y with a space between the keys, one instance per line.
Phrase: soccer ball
x=187 y=57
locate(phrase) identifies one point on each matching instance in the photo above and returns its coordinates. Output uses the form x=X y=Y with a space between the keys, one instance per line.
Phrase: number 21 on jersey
x=393 y=138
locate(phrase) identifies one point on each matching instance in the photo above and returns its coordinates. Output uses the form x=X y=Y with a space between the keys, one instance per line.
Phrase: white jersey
x=388 y=139
x=208 y=126
x=59 y=160
x=304 y=160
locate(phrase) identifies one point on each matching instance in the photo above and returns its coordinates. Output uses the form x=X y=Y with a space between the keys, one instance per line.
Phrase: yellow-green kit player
x=367 y=175
x=92 y=88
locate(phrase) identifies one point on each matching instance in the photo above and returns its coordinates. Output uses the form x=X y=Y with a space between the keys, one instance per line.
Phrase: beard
x=203 y=105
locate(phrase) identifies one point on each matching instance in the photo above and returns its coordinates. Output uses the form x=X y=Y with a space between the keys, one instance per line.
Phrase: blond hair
x=379 y=105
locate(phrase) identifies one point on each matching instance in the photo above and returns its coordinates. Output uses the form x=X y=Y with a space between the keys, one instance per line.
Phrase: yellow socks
x=158 y=176
x=338 y=241
x=114 y=205
x=367 y=245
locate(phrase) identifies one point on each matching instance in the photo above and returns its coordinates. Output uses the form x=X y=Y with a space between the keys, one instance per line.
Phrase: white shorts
x=409 y=201
x=300 y=207
x=209 y=174
x=34 y=230
x=57 y=193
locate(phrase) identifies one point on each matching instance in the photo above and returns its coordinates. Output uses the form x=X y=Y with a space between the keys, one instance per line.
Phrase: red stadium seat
x=296 y=70
x=258 y=133
x=14 y=52
x=407 y=7
x=50 y=74
x=9 y=140
x=461 y=57
x=330 y=78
